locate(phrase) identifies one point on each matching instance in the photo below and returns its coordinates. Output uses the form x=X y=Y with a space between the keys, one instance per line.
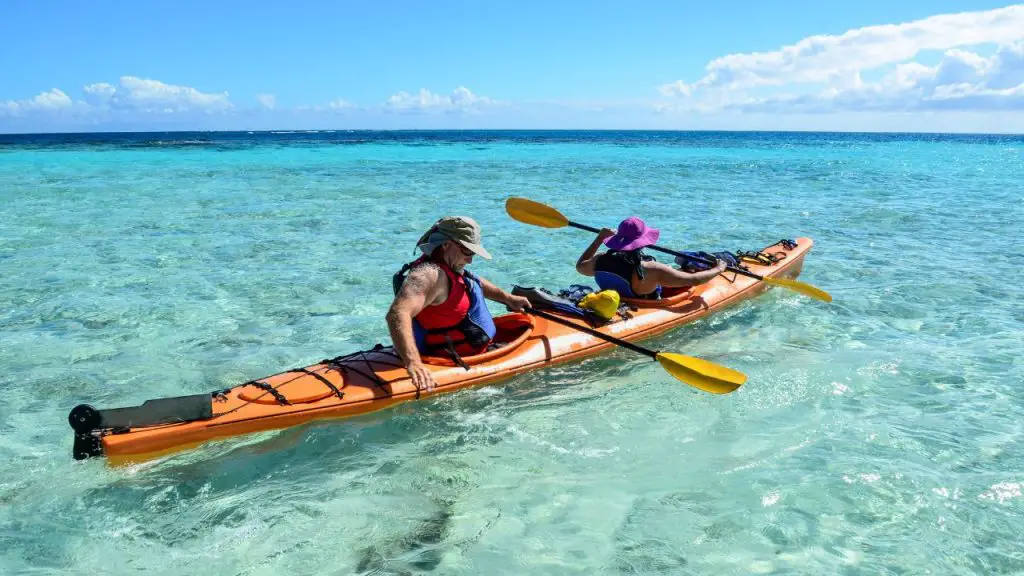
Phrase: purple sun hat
x=633 y=234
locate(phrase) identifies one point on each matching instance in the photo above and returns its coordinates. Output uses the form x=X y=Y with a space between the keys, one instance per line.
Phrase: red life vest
x=462 y=320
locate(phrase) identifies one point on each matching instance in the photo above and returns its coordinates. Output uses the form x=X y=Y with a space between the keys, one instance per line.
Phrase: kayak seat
x=511 y=331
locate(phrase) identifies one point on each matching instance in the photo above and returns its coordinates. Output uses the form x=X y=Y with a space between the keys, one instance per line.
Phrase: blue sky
x=866 y=65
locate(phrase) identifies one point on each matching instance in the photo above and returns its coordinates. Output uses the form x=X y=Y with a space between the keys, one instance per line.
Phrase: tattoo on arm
x=419 y=284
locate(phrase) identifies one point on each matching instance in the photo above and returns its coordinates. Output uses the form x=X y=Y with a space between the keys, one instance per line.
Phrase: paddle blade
x=535 y=213
x=801 y=287
x=707 y=376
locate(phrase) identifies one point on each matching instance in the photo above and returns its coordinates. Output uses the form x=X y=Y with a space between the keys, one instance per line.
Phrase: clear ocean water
x=878 y=434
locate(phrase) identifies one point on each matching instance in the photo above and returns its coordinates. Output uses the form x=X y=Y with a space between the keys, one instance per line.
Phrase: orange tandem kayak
x=373 y=379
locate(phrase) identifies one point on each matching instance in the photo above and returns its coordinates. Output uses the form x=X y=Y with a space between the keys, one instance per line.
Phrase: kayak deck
x=374 y=379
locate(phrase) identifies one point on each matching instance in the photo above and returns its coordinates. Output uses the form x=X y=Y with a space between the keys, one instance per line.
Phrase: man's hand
x=495 y=294
x=421 y=376
x=517 y=303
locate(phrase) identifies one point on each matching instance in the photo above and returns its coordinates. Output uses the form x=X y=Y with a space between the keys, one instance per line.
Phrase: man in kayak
x=439 y=306
x=627 y=270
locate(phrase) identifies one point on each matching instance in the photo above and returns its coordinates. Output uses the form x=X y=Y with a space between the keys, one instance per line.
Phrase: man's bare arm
x=492 y=292
x=421 y=287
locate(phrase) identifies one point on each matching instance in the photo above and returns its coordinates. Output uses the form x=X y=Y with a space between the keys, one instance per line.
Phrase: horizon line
x=661 y=130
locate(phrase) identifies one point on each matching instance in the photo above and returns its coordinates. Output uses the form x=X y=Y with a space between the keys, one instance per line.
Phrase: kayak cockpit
x=512 y=331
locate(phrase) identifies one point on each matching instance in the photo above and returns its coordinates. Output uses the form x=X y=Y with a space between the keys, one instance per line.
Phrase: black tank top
x=625 y=264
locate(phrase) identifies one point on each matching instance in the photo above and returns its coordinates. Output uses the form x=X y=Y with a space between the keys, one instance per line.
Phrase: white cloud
x=132 y=95
x=51 y=100
x=463 y=97
x=404 y=100
x=909 y=75
x=99 y=93
x=153 y=95
x=821 y=58
x=962 y=80
x=340 y=104
x=1008 y=70
x=460 y=100
x=268 y=101
x=677 y=88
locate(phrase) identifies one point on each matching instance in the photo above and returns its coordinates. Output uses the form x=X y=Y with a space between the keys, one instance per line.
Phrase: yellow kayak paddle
x=696 y=372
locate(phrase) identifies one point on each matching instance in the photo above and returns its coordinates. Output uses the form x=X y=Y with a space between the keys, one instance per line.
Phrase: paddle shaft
x=592 y=332
x=674 y=253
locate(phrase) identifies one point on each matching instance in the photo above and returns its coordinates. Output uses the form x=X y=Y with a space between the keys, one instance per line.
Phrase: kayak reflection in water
x=626 y=269
x=439 y=306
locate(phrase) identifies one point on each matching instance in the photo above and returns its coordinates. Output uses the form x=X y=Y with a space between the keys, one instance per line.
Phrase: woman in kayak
x=439 y=307
x=627 y=270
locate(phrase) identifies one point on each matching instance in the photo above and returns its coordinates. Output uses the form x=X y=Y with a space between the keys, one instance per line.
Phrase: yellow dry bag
x=604 y=303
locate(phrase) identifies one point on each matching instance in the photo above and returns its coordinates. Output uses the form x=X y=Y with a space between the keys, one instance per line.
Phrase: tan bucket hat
x=461 y=229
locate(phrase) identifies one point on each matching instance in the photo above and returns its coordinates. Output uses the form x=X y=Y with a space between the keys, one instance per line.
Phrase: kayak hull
x=372 y=380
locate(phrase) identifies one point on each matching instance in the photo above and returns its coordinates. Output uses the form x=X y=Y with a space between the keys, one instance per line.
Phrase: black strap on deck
x=273 y=392
x=325 y=381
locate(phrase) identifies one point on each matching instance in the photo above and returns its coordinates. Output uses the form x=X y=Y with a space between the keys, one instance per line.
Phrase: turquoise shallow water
x=881 y=433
